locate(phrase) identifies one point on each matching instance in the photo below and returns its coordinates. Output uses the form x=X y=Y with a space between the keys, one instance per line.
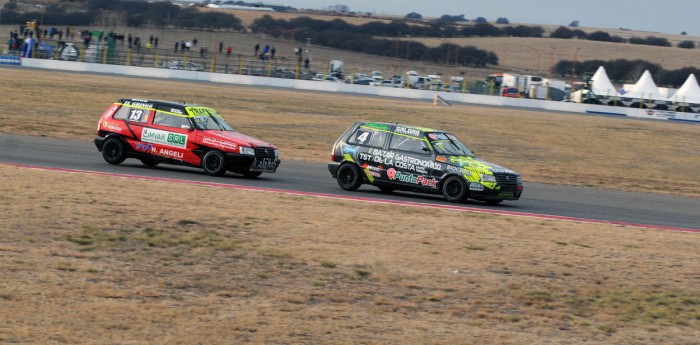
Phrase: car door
x=413 y=160
x=367 y=146
x=170 y=133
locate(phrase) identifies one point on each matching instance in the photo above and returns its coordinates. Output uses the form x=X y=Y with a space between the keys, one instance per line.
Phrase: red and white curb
x=362 y=199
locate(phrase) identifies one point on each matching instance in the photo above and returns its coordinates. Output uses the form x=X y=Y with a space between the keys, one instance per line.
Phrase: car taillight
x=333 y=154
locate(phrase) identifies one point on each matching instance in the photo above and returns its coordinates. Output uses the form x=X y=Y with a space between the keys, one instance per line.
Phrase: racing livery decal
x=400 y=157
x=157 y=136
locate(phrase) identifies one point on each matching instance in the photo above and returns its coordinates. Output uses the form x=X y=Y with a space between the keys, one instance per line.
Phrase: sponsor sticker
x=111 y=127
x=220 y=143
x=157 y=136
x=410 y=178
x=408 y=131
x=171 y=153
x=145 y=147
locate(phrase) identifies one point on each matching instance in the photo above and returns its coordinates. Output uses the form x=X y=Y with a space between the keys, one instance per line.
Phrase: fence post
x=213 y=63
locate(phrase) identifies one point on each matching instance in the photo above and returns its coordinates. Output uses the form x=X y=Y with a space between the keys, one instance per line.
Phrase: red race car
x=183 y=134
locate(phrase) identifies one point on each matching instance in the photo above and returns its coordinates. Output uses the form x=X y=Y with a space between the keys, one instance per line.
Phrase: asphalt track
x=550 y=201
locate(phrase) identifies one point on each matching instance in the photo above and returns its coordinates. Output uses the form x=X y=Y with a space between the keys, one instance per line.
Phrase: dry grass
x=102 y=260
x=538 y=54
x=650 y=156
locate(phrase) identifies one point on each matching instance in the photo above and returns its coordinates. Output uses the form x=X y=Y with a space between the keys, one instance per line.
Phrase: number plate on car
x=264 y=165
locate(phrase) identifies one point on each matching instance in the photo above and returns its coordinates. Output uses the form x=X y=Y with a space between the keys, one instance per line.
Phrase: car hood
x=236 y=137
x=477 y=165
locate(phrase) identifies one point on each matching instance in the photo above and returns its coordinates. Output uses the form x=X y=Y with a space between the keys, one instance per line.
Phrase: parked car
x=399 y=157
x=183 y=65
x=325 y=77
x=157 y=132
x=510 y=92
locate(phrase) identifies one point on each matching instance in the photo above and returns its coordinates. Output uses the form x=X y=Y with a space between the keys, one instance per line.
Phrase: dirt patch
x=102 y=258
x=603 y=152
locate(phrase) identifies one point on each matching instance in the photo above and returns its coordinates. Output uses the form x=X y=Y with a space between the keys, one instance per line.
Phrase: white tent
x=688 y=93
x=645 y=89
x=601 y=85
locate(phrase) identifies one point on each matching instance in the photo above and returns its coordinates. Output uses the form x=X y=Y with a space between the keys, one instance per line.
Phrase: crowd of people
x=30 y=40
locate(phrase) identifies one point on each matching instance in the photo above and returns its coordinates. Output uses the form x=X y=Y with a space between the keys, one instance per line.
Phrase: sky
x=663 y=16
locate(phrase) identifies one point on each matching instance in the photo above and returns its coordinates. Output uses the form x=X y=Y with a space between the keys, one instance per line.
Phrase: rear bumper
x=333 y=168
x=99 y=142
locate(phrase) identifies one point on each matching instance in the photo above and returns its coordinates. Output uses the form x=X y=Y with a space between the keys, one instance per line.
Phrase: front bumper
x=238 y=162
x=505 y=192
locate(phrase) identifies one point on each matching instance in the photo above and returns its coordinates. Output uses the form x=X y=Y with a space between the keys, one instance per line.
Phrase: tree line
x=626 y=71
x=361 y=38
x=121 y=12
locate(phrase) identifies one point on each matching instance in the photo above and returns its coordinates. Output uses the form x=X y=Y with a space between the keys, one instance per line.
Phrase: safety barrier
x=360 y=89
x=10 y=60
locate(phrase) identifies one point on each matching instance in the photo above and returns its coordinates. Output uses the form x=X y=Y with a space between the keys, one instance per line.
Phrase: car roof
x=422 y=129
x=161 y=102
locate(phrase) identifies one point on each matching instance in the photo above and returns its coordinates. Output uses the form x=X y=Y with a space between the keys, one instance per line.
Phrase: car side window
x=170 y=119
x=366 y=136
x=131 y=114
x=408 y=143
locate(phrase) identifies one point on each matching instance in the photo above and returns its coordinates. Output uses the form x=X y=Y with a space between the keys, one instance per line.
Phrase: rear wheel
x=113 y=151
x=214 y=163
x=349 y=177
x=454 y=189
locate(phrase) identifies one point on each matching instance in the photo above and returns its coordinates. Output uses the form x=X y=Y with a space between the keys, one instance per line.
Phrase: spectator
x=150 y=40
x=194 y=42
x=257 y=48
x=306 y=63
x=272 y=53
x=221 y=47
x=201 y=52
x=228 y=51
x=131 y=40
x=177 y=44
x=156 y=42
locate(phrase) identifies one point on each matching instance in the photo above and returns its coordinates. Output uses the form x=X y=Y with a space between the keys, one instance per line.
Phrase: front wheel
x=454 y=189
x=214 y=163
x=113 y=151
x=349 y=177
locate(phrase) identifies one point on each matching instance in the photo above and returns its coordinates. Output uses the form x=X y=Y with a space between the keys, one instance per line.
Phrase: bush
x=686 y=45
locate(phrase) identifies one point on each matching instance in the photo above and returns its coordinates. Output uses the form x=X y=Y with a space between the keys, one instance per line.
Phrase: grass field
x=94 y=260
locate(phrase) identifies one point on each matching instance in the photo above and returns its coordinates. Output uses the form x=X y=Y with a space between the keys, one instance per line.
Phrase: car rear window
x=131 y=114
x=367 y=136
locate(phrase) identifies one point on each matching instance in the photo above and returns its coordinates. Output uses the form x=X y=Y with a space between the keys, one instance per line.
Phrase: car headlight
x=277 y=153
x=519 y=179
x=488 y=178
x=247 y=151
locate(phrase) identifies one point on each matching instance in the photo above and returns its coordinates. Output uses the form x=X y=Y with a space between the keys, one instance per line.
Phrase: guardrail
x=239 y=79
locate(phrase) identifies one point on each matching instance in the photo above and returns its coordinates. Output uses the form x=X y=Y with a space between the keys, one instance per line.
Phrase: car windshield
x=207 y=118
x=448 y=144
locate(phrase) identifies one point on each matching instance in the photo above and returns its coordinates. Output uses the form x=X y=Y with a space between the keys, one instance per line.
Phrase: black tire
x=214 y=163
x=113 y=151
x=493 y=202
x=251 y=174
x=454 y=189
x=349 y=177
x=149 y=162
